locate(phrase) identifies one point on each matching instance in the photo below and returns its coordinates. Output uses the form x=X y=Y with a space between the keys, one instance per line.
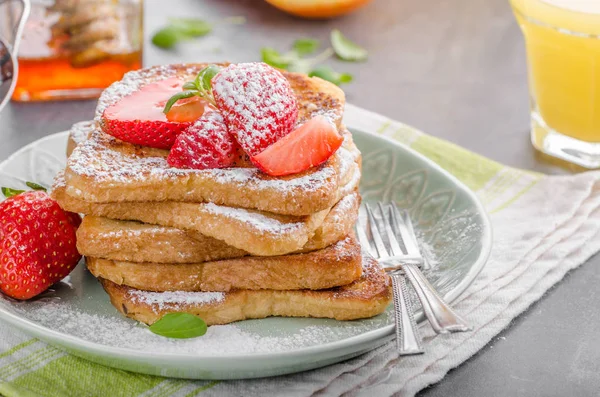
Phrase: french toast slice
x=104 y=169
x=258 y=233
x=79 y=133
x=338 y=264
x=140 y=242
x=366 y=297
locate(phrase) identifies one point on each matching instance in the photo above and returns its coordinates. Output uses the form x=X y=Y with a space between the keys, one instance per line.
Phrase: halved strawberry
x=205 y=144
x=307 y=146
x=257 y=103
x=138 y=118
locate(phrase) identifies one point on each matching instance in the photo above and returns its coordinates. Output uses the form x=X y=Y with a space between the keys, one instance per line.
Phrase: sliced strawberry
x=138 y=118
x=205 y=144
x=37 y=244
x=307 y=146
x=187 y=110
x=257 y=103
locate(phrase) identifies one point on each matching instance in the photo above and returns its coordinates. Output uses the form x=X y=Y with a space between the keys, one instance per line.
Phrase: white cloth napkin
x=543 y=227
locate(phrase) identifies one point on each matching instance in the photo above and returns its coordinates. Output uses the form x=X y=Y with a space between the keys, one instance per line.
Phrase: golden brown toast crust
x=140 y=242
x=336 y=265
x=258 y=233
x=104 y=169
x=366 y=297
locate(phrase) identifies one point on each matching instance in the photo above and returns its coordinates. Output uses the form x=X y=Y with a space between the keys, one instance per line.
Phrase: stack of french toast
x=226 y=243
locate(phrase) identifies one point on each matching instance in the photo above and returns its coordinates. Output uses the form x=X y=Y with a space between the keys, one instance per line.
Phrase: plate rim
x=97 y=349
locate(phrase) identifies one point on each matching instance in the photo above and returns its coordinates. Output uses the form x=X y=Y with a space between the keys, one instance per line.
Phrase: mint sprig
x=181 y=29
x=296 y=59
x=201 y=86
x=179 y=326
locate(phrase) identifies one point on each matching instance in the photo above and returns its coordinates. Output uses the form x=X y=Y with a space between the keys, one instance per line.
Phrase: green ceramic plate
x=77 y=316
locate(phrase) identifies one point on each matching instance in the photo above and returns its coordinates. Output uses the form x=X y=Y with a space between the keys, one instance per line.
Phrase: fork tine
x=409 y=226
x=362 y=237
x=379 y=245
x=411 y=229
x=394 y=246
x=408 y=238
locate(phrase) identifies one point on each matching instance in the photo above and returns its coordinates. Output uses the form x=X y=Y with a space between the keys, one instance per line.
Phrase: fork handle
x=408 y=341
x=442 y=318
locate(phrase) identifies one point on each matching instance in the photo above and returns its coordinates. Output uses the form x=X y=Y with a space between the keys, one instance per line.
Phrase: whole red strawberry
x=205 y=144
x=38 y=246
x=257 y=103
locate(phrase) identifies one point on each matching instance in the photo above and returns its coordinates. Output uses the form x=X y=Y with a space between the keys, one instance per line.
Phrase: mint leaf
x=176 y=97
x=206 y=76
x=167 y=37
x=191 y=27
x=327 y=73
x=305 y=46
x=8 y=192
x=179 y=325
x=190 y=85
x=201 y=86
x=35 y=186
x=346 y=49
x=273 y=58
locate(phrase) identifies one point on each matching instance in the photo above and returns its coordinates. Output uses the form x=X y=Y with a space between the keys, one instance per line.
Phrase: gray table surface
x=452 y=68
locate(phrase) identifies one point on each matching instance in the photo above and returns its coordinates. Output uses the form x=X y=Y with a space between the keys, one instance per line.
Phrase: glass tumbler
x=73 y=49
x=562 y=39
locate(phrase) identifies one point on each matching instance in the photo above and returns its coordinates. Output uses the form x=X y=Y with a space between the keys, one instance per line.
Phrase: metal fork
x=442 y=318
x=408 y=341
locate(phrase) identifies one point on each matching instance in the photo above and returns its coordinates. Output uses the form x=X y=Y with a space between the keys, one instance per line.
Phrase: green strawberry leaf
x=179 y=325
x=327 y=73
x=346 y=49
x=305 y=46
x=8 y=192
x=35 y=186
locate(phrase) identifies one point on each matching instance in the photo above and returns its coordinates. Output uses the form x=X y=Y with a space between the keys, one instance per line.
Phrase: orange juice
x=563 y=53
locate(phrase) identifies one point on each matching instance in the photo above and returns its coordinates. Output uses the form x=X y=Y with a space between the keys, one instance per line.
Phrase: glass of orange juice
x=562 y=39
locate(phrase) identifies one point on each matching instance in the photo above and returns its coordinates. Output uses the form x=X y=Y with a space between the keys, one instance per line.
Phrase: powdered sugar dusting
x=80 y=132
x=344 y=206
x=219 y=340
x=257 y=102
x=254 y=219
x=174 y=299
x=352 y=183
x=95 y=158
x=205 y=144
